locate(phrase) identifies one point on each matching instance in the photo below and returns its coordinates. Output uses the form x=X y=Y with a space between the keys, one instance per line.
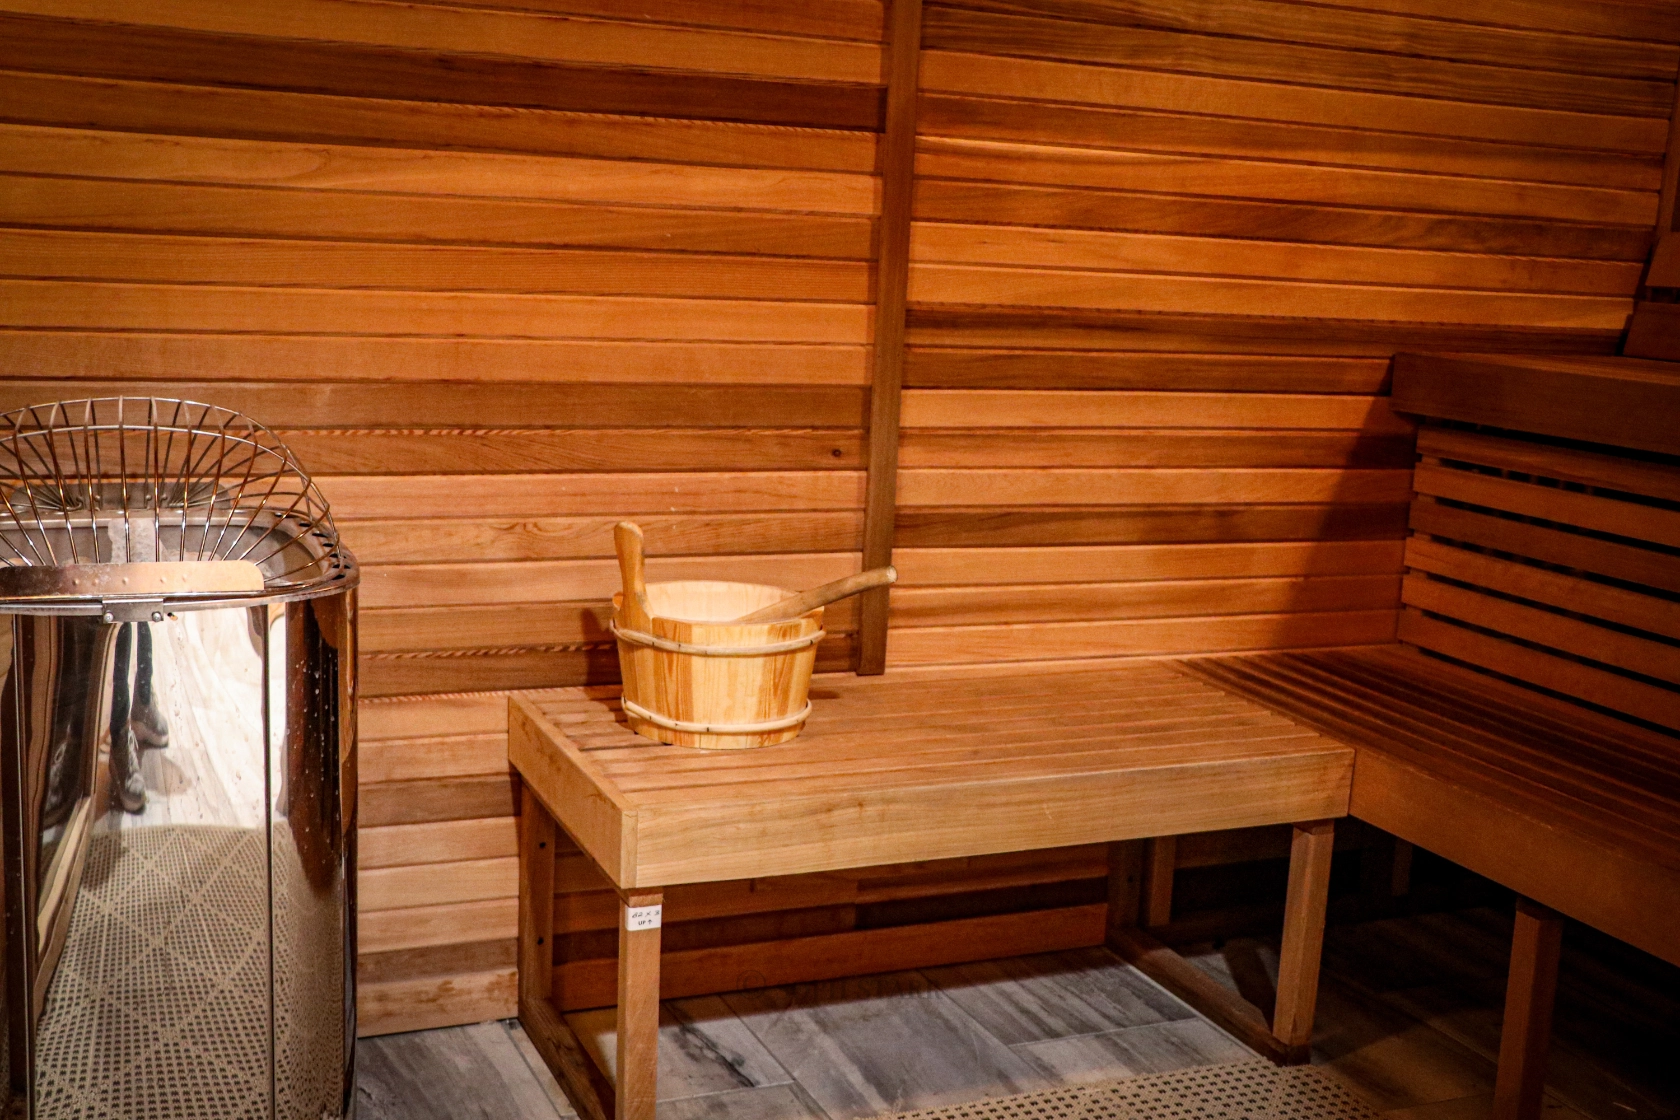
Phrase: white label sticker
x=643 y=917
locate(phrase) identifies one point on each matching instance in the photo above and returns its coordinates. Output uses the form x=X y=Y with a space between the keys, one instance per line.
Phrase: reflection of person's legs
x=68 y=765
x=150 y=728
x=128 y=787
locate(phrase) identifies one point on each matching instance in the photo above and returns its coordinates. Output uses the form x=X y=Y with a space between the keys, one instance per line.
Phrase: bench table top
x=914 y=766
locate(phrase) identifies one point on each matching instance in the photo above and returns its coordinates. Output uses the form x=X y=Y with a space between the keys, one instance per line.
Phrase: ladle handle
x=795 y=605
x=627 y=540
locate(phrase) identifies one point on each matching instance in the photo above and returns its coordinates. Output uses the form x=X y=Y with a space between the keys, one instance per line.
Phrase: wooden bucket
x=698 y=680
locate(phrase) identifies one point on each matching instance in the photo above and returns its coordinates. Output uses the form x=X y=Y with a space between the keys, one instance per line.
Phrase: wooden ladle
x=795 y=605
x=627 y=540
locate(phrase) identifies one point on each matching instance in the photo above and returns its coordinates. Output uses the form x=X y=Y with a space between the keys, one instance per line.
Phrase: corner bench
x=909 y=766
x=1524 y=725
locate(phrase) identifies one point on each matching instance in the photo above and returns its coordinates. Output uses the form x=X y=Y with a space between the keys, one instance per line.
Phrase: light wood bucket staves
x=698 y=672
x=695 y=679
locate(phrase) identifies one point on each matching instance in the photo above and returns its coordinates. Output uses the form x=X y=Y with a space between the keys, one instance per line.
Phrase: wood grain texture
x=1086 y=125
x=1108 y=43
x=898 y=150
x=1034 y=79
x=664 y=805
x=178 y=108
x=1526 y=1030
x=1303 y=935
x=505 y=273
x=1623 y=405
x=1492 y=775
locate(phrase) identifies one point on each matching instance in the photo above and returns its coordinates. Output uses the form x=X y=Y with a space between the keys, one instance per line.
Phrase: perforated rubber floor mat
x=1246 y=1091
x=159 y=1009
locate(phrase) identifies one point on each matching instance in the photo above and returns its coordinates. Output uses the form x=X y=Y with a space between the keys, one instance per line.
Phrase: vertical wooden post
x=1400 y=871
x=1536 y=944
x=1160 y=860
x=1125 y=885
x=1666 y=196
x=640 y=913
x=892 y=281
x=578 y=1075
x=1303 y=936
x=536 y=900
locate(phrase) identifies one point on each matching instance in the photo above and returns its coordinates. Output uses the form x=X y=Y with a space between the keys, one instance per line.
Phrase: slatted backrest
x=1654 y=331
x=1551 y=562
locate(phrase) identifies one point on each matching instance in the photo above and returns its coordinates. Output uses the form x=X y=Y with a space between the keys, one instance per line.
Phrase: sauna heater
x=177 y=769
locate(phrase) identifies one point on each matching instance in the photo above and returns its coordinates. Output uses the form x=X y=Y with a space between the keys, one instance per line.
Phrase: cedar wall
x=1127 y=212
x=505 y=271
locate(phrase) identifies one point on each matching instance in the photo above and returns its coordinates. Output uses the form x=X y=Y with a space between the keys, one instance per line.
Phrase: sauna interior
x=1271 y=410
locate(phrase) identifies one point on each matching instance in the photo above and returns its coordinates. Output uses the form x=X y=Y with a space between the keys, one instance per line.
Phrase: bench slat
x=1577 y=810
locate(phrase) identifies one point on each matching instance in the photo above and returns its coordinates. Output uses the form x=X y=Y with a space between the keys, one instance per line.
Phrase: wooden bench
x=912 y=766
x=1523 y=725
x=1536 y=563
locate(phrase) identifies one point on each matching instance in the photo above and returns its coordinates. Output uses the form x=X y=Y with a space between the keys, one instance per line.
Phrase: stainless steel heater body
x=177 y=770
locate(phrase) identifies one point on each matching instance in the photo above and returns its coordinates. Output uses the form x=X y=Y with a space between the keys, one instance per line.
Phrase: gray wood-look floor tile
x=883 y=1043
x=1056 y=995
x=461 y=1073
x=1156 y=1048
x=539 y=1068
x=1414 y=952
x=1395 y=1060
x=1479 y=1107
x=703 y=1048
x=1472 y=1014
x=773 y=1102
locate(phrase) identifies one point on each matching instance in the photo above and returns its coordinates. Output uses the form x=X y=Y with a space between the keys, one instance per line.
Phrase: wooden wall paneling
x=892 y=265
x=990 y=75
x=1161 y=258
x=1670 y=177
x=174 y=108
x=493 y=272
x=1592 y=619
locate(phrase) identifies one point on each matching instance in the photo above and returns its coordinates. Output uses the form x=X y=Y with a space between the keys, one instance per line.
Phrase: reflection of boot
x=150 y=728
x=61 y=784
x=127 y=786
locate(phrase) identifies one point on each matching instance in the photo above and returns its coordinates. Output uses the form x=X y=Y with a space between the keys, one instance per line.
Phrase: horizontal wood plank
x=246 y=262
x=936 y=367
x=50 y=303
x=1137 y=525
x=356 y=497
x=937 y=645
x=406 y=406
x=1175 y=598
x=1035 y=79
x=94 y=154
x=520 y=34
x=1166 y=486
x=1077 y=39
x=1093 y=126
x=919 y=567
x=222 y=211
x=212 y=361
x=170 y=107
x=1035 y=204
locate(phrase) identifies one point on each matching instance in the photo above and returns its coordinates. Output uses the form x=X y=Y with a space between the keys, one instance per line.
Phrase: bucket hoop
x=634 y=709
x=637 y=638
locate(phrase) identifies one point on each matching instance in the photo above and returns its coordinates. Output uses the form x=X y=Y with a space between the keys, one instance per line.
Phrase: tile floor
x=1408 y=1013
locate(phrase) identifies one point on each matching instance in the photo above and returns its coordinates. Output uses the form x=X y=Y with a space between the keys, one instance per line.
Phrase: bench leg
x=1303 y=936
x=583 y=1082
x=1530 y=991
x=640 y=916
x=1160 y=860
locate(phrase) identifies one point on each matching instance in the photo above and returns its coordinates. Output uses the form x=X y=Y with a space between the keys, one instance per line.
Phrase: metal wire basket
x=123 y=480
